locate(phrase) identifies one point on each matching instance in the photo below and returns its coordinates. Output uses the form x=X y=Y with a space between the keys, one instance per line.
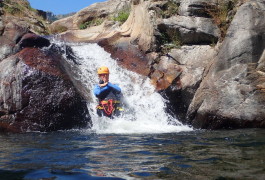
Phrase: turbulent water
x=144 y=108
x=144 y=143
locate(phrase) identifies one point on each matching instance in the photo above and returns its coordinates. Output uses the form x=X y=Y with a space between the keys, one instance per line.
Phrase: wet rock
x=232 y=95
x=166 y=71
x=36 y=94
x=128 y=56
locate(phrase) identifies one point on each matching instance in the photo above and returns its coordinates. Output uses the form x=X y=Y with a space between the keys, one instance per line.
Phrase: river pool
x=84 y=154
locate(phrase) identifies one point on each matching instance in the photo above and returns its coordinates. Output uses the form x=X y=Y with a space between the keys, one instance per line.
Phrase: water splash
x=145 y=110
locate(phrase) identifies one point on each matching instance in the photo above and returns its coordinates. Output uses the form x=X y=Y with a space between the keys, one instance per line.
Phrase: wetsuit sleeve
x=98 y=90
x=115 y=87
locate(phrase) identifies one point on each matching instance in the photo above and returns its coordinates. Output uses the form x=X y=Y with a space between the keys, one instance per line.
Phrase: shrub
x=11 y=10
x=122 y=15
x=170 y=38
x=94 y=22
x=170 y=9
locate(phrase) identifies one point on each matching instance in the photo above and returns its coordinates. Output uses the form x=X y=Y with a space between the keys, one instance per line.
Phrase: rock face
x=232 y=93
x=36 y=95
x=92 y=12
x=20 y=12
x=192 y=30
x=196 y=7
x=16 y=20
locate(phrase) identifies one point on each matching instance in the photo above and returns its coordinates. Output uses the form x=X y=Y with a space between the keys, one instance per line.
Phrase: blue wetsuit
x=110 y=91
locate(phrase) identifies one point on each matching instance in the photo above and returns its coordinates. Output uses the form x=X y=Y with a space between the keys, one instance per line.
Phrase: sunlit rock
x=232 y=94
x=191 y=30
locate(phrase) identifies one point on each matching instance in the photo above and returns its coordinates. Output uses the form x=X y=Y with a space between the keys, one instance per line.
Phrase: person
x=108 y=94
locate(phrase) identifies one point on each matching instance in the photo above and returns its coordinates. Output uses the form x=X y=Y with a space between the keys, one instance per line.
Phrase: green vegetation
x=23 y=10
x=170 y=9
x=122 y=15
x=94 y=22
x=20 y=8
x=170 y=39
x=14 y=10
x=222 y=15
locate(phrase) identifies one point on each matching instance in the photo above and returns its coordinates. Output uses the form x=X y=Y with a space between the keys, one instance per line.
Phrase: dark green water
x=235 y=154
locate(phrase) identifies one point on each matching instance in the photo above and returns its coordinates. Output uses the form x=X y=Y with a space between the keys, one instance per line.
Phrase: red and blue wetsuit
x=109 y=96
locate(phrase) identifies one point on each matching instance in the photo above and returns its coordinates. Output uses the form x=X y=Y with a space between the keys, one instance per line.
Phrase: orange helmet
x=103 y=70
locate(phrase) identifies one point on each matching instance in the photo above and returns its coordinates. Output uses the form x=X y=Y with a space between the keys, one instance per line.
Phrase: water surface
x=235 y=154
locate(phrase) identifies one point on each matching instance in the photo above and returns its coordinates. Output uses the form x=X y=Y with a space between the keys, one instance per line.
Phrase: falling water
x=144 y=110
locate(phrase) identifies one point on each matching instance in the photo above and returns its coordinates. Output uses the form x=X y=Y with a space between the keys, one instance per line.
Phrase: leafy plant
x=14 y=10
x=170 y=39
x=94 y=22
x=170 y=9
x=122 y=15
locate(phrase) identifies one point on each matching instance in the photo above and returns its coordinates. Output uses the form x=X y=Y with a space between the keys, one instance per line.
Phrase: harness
x=108 y=106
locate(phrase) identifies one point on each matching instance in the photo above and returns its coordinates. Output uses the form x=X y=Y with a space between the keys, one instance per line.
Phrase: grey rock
x=232 y=93
x=192 y=30
x=1 y=26
x=193 y=61
x=196 y=8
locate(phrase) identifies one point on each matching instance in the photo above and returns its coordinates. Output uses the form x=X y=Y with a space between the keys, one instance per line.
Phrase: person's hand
x=103 y=85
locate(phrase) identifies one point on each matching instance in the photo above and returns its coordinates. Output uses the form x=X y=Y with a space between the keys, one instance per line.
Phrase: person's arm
x=98 y=90
x=115 y=87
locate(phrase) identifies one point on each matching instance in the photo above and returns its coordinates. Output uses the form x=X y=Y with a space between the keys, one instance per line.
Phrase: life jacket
x=109 y=103
x=109 y=106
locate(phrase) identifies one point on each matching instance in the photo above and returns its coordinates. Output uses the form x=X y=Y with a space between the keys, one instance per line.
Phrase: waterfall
x=145 y=108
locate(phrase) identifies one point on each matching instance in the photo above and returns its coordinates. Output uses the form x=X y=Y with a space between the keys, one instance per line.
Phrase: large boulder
x=178 y=75
x=37 y=95
x=232 y=93
x=193 y=61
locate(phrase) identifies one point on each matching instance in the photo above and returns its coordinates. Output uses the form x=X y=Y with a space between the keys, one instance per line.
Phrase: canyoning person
x=108 y=94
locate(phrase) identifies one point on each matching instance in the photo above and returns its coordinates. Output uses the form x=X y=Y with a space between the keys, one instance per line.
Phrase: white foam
x=146 y=108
